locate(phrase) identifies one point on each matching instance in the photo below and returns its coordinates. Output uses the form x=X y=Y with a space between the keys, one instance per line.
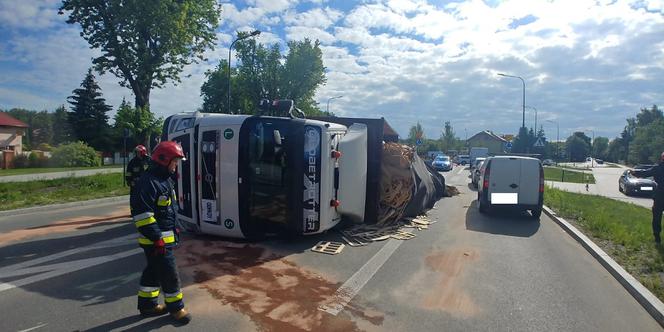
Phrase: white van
x=511 y=181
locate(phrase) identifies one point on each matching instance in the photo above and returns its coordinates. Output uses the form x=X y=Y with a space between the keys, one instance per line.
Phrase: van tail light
x=541 y=180
x=487 y=172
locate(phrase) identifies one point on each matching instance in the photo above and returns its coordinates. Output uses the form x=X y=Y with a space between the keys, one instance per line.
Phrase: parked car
x=474 y=164
x=547 y=162
x=511 y=181
x=442 y=163
x=631 y=185
x=463 y=159
x=476 y=173
x=599 y=161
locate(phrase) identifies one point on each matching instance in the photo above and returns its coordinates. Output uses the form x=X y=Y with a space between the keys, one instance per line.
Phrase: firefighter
x=153 y=213
x=136 y=167
x=657 y=172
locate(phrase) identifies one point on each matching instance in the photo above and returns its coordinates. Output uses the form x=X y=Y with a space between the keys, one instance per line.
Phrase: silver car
x=476 y=173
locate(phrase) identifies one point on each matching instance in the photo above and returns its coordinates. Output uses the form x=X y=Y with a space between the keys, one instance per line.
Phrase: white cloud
x=299 y=33
x=321 y=18
x=29 y=14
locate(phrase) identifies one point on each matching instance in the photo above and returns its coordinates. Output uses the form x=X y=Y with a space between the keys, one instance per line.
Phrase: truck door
x=185 y=187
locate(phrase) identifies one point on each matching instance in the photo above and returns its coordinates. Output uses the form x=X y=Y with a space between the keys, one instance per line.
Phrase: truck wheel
x=536 y=213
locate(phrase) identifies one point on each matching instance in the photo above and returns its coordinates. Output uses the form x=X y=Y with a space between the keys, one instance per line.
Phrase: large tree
x=88 y=116
x=416 y=132
x=145 y=43
x=263 y=72
x=578 y=146
x=600 y=147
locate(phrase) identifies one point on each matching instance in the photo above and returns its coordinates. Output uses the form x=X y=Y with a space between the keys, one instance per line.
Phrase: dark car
x=631 y=185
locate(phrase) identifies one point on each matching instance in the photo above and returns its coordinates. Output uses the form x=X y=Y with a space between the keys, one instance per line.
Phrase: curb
x=64 y=205
x=648 y=301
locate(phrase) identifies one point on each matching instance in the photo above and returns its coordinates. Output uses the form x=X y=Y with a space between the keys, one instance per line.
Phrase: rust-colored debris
x=276 y=294
x=66 y=225
x=448 y=292
x=451 y=191
x=362 y=235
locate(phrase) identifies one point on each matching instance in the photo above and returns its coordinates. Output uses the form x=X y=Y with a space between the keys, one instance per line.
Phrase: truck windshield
x=268 y=164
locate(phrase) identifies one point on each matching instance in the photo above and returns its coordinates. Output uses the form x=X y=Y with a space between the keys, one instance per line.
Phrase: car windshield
x=442 y=158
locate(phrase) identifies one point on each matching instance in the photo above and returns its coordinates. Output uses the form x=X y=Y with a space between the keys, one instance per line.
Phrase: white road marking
x=58 y=269
x=354 y=284
x=34 y=328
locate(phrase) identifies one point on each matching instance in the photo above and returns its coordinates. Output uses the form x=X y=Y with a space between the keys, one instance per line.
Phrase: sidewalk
x=57 y=175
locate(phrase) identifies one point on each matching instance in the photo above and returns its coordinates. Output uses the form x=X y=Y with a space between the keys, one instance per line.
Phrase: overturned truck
x=246 y=176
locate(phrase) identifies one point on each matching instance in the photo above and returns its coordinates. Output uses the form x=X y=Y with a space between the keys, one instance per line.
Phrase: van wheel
x=482 y=206
x=536 y=213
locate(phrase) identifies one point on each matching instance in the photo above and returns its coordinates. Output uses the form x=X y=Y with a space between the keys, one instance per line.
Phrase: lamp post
x=523 y=121
x=557 y=139
x=535 y=109
x=253 y=33
x=328 y=102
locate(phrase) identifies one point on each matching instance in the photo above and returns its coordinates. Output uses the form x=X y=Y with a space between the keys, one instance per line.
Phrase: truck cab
x=245 y=176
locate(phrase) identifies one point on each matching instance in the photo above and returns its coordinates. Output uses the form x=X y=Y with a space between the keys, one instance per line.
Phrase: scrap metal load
x=246 y=176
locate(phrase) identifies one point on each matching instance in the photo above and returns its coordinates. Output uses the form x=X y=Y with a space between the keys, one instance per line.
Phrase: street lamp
x=557 y=139
x=533 y=108
x=523 y=121
x=328 y=103
x=253 y=33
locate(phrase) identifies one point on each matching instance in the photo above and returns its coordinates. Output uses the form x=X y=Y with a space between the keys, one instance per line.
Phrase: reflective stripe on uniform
x=148 y=292
x=143 y=219
x=172 y=297
x=163 y=201
x=168 y=237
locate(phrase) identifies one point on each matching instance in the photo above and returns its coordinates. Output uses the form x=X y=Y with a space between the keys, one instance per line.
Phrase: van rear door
x=505 y=181
x=530 y=181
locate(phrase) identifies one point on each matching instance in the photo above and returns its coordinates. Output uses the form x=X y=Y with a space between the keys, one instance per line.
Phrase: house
x=11 y=133
x=487 y=139
x=11 y=139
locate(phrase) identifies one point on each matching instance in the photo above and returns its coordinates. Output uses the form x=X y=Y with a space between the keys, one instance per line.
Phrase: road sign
x=508 y=145
x=539 y=143
x=418 y=142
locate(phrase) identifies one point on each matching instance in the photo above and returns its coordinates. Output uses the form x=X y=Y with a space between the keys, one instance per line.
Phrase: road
x=58 y=175
x=606 y=184
x=77 y=269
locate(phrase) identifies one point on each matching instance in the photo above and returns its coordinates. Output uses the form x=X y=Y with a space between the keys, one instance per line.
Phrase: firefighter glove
x=159 y=247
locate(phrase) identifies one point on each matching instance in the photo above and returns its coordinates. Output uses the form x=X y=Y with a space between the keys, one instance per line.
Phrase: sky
x=587 y=65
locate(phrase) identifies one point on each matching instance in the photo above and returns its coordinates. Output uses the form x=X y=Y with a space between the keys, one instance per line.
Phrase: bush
x=37 y=159
x=21 y=161
x=44 y=147
x=75 y=155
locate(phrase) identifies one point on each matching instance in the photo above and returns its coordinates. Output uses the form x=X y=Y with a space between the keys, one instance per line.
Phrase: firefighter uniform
x=153 y=210
x=657 y=172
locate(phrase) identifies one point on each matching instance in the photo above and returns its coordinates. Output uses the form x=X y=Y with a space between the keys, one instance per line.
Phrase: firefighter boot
x=158 y=310
x=181 y=316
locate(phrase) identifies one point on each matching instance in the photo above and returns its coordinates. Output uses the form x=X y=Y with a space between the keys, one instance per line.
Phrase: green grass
x=22 y=171
x=565 y=175
x=14 y=195
x=622 y=229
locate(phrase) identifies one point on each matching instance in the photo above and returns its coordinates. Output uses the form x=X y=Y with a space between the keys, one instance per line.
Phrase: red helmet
x=141 y=150
x=166 y=151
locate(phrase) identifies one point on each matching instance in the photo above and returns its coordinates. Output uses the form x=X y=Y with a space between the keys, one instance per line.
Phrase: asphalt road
x=77 y=269
x=58 y=175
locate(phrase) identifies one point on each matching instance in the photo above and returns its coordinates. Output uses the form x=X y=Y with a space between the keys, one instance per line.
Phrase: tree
x=88 y=117
x=416 y=132
x=448 y=137
x=648 y=116
x=648 y=143
x=62 y=132
x=41 y=127
x=140 y=123
x=303 y=72
x=145 y=43
x=578 y=146
x=215 y=90
x=521 y=142
x=600 y=147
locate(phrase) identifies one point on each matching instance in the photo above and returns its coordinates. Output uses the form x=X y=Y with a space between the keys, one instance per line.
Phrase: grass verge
x=15 y=195
x=621 y=229
x=23 y=171
x=565 y=175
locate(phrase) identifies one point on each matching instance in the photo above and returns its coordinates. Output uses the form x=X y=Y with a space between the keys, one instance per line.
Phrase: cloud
x=321 y=18
x=300 y=33
x=31 y=15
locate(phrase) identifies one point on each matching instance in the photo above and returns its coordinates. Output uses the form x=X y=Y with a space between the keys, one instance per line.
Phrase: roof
x=9 y=121
x=490 y=134
x=388 y=130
